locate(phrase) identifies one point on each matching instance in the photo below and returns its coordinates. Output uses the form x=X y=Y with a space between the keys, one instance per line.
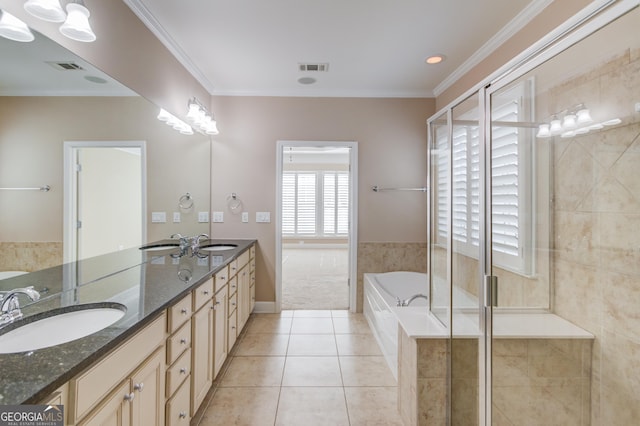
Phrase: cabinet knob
x=182 y=415
x=183 y=341
x=223 y=278
x=233 y=303
x=213 y=307
x=218 y=302
x=184 y=311
x=183 y=370
x=138 y=387
x=129 y=397
x=206 y=292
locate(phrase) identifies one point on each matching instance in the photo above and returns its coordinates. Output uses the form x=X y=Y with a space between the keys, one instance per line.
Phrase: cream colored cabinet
x=220 y=330
x=139 y=400
x=202 y=354
x=89 y=389
x=244 y=297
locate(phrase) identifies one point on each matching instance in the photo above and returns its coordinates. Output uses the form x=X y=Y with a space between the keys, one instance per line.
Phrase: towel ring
x=186 y=201
x=234 y=203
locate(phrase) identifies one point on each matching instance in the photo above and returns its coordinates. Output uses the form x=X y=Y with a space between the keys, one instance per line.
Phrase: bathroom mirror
x=49 y=96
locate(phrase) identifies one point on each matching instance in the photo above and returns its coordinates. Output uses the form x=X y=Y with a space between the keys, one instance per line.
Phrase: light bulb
x=584 y=116
x=164 y=115
x=612 y=122
x=543 y=131
x=77 y=27
x=14 y=29
x=556 y=126
x=569 y=121
x=47 y=10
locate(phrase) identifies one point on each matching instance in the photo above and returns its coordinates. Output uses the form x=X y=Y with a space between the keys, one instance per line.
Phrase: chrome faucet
x=9 y=305
x=184 y=241
x=408 y=301
x=195 y=243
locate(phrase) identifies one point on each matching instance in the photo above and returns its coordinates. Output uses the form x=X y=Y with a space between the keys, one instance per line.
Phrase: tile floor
x=304 y=367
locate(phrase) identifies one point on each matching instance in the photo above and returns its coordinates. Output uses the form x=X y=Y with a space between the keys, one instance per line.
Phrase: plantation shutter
x=289 y=203
x=335 y=191
x=306 y=204
x=505 y=181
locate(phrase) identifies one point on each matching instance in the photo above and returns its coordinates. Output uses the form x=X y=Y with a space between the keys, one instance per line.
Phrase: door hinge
x=78 y=167
x=491 y=290
x=79 y=224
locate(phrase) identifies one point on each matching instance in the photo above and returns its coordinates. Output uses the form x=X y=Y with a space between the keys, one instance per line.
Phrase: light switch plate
x=176 y=217
x=263 y=217
x=158 y=217
x=203 y=217
x=218 y=217
x=245 y=217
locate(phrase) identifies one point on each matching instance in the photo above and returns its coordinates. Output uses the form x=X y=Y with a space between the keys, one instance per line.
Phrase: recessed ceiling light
x=94 y=79
x=435 y=59
x=306 y=80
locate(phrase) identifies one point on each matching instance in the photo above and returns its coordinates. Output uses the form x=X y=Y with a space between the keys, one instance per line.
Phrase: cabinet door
x=115 y=410
x=220 y=333
x=202 y=355
x=244 y=297
x=147 y=384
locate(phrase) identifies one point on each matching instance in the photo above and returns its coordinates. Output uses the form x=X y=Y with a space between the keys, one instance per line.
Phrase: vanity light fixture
x=175 y=122
x=47 y=10
x=14 y=29
x=77 y=26
x=570 y=123
x=201 y=118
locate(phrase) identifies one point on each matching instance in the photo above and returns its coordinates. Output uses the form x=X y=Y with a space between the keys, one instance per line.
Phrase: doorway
x=105 y=193
x=316 y=239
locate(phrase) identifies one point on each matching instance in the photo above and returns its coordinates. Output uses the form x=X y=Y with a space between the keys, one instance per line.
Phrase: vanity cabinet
x=109 y=390
x=220 y=349
x=202 y=362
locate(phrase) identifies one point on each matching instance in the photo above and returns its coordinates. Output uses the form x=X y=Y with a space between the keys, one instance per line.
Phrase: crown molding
x=508 y=31
x=320 y=93
x=147 y=18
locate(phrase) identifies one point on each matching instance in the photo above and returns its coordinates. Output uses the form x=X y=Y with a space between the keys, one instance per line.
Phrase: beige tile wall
x=597 y=244
x=387 y=257
x=29 y=256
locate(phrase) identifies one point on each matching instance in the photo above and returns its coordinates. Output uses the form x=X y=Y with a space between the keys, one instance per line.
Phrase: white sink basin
x=218 y=247
x=59 y=328
x=159 y=247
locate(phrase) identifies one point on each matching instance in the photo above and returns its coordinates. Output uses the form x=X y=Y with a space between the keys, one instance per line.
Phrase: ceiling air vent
x=66 y=66
x=321 y=67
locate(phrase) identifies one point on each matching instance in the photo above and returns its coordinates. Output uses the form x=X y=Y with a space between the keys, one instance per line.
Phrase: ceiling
x=373 y=48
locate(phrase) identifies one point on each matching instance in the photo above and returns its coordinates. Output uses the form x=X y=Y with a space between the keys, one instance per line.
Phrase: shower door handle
x=491 y=290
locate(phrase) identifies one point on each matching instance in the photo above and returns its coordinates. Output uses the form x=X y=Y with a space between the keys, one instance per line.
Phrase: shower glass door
x=465 y=260
x=564 y=148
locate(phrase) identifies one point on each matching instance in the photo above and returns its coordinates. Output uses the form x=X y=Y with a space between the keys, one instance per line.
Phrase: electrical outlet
x=158 y=217
x=245 y=217
x=176 y=217
x=263 y=217
x=218 y=217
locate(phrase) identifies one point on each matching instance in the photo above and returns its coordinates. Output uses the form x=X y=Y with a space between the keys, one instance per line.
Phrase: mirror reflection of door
x=106 y=187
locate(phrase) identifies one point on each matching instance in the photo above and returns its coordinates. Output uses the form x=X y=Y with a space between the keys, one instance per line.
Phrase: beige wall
x=551 y=17
x=32 y=154
x=391 y=136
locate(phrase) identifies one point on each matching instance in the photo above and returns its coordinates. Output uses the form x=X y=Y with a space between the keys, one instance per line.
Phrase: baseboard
x=265 y=308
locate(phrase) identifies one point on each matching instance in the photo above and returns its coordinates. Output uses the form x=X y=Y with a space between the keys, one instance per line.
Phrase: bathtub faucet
x=408 y=301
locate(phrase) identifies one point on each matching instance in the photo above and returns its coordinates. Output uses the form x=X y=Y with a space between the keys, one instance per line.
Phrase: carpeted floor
x=315 y=278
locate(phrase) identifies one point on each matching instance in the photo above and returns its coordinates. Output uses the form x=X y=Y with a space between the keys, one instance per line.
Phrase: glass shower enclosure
x=534 y=215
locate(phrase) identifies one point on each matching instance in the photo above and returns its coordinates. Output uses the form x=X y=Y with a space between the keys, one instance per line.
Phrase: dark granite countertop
x=146 y=282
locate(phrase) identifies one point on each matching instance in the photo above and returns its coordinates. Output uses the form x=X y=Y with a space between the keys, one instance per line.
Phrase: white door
x=316 y=239
x=104 y=198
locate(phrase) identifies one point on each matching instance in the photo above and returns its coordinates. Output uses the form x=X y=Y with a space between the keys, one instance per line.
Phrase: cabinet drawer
x=233 y=285
x=232 y=334
x=252 y=251
x=252 y=265
x=243 y=260
x=178 y=372
x=90 y=387
x=233 y=303
x=179 y=313
x=202 y=294
x=221 y=278
x=233 y=267
x=179 y=342
x=253 y=298
x=178 y=406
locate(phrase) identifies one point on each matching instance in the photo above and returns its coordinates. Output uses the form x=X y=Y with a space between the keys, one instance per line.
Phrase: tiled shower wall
x=597 y=242
x=29 y=256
